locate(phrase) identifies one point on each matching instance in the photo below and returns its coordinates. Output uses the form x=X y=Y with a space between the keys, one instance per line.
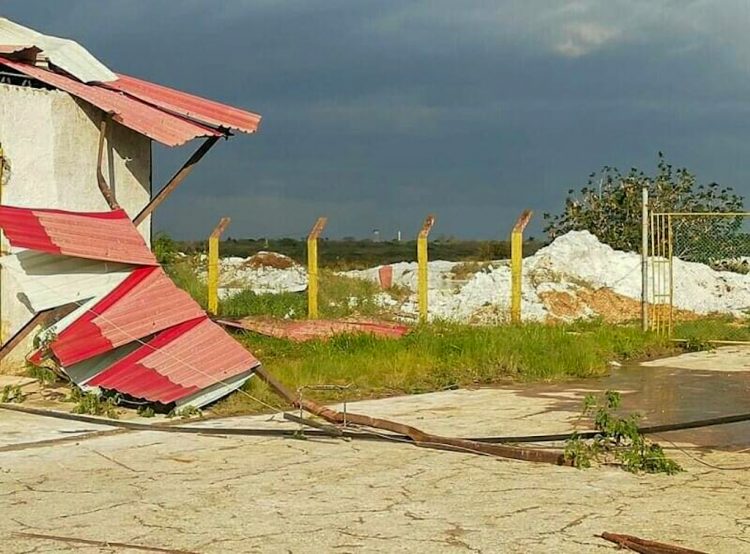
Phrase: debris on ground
x=262 y=273
x=305 y=330
x=132 y=330
x=417 y=436
x=645 y=546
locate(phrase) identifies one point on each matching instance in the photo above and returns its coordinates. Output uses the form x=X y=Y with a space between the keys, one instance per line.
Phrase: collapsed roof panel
x=161 y=113
x=50 y=280
x=146 y=302
x=178 y=362
x=145 y=337
x=106 y=236
x=187 y=105
x=163 y=127
x=66 y=54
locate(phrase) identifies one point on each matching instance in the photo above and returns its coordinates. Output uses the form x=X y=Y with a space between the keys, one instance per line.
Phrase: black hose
x=361 y=435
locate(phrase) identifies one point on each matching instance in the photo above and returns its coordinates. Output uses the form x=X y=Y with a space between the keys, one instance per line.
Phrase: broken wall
x=50 y=144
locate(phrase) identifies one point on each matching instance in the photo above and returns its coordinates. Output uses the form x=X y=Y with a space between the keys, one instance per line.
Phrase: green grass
x=184 y=275
x=440 y=356
x=436 y=356
x=698 y=332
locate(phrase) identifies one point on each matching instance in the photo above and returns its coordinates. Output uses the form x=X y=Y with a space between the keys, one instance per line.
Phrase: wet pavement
x=212 y=494
x=663 y=395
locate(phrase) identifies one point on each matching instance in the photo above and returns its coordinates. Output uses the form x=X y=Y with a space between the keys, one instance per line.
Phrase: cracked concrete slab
x=212 y=494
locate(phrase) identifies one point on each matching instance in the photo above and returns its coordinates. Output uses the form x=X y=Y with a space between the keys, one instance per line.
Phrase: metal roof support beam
x=40 y=319
x=100 y=180
x=176 y=179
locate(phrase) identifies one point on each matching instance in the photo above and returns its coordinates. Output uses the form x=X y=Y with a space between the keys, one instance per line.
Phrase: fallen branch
x=419 y=437
x=645 y=546
x=106 y=544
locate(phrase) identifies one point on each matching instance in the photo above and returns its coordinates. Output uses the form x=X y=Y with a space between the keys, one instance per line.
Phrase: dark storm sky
x=377 y=112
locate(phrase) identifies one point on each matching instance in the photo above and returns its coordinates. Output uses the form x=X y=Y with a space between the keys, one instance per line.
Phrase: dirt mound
x=270 y=259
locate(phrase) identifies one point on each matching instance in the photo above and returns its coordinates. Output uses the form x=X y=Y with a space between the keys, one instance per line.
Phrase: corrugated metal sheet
x=145 y=303
x=49 y=280
x=186 y=359
x=66 y=54
x=187 y=105
x=19 y=51
x=156 y=124
x=177 y=363
x=212 y=394
x=301 y=331
x=108 y=236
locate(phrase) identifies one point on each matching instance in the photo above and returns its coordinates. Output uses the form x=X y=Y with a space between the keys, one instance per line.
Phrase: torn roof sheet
x=187 y=105
x=163 y=127
x=145 y=338
x=161 y=113
x=66 y=54
x=106 y=236
x=177 y=363
x=50 y=280
x=143 y=304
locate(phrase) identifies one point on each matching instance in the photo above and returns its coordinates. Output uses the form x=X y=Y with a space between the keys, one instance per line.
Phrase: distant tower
x=398 y=236
x=376 y=235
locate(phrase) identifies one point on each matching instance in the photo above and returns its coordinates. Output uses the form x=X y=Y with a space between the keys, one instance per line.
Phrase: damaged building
x=76 y=150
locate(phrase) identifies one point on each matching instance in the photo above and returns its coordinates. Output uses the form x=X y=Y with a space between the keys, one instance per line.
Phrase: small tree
x=609 y=206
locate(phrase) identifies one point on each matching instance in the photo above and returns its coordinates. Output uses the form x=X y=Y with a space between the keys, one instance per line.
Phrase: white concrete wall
x=50 y=140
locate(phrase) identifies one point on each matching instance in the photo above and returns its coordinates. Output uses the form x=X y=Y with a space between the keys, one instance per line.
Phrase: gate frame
x=657 y=244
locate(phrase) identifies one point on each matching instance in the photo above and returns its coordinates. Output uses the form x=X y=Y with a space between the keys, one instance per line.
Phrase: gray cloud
x=378 y=112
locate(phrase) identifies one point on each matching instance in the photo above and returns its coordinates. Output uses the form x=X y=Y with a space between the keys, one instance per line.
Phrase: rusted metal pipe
x=105 y=189
x=176 y=179
x=645 y=546
x=41 y=318
x=419 y=437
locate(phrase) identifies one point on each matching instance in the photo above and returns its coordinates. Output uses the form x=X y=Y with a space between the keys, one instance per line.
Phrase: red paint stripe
x=142 y=382
x=146 y=303
x=121 y=367
x=83 y=339
x=23 y=229
x=108 y=236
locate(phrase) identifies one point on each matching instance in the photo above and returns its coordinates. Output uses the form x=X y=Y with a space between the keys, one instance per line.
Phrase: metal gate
x=718 y=239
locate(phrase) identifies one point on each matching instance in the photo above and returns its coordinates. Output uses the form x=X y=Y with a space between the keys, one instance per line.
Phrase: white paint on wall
x=50 y=142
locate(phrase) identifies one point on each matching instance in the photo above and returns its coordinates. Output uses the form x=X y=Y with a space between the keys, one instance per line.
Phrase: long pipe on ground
x=419 y=437
x=362 y=435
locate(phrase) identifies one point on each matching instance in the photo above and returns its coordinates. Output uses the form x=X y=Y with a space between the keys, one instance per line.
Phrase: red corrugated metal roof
x=161 y=126
x=188 y=352
x=177 y=363
x=108 y=236
x=145 y=303
x=186 y=105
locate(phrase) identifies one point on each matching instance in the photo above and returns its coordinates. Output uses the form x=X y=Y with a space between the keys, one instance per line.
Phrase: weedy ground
x=441 y=356
x=618 y=440
x=435 y=356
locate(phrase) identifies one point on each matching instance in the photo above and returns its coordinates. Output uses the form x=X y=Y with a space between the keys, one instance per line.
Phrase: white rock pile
x=576 y=276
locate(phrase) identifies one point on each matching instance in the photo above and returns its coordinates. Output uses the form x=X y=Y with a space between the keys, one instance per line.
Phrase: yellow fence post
x=516 y=264
x=312 y=267
x=422 y=266
x=213 y=265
